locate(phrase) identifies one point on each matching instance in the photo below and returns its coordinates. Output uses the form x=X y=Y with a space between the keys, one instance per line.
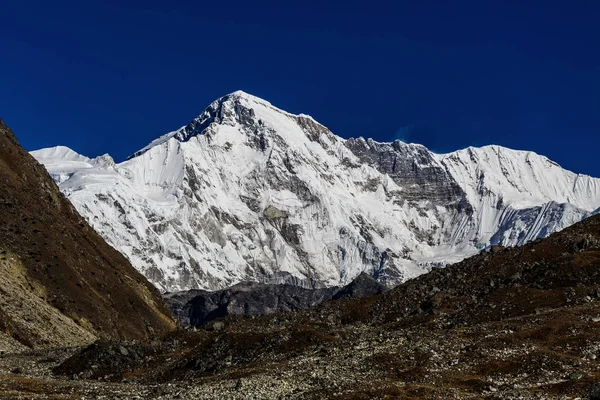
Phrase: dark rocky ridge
x=61 y=284
x=198 y=307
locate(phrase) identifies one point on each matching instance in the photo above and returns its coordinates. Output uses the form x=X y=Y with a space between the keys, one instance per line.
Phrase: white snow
x=192 y=211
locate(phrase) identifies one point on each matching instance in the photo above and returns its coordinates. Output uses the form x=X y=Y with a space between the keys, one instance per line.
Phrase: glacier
x=249 y=192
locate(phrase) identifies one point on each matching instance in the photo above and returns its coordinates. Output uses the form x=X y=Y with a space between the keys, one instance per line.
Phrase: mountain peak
x=59 y=152
x=240 y=95
x=236 y=108
x=246 y=95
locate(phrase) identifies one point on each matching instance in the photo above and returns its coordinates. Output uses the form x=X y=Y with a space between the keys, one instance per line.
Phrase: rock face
x=362 y=286
x=197 y=307
x=60 y=283
x=248 y=192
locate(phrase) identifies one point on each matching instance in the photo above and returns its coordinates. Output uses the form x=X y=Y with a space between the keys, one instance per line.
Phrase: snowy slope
x=250 y=192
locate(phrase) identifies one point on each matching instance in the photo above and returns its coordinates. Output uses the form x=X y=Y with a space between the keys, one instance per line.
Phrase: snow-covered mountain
x=247 y=191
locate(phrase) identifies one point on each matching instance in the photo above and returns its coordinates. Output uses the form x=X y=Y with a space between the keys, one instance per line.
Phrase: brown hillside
x=60 y=283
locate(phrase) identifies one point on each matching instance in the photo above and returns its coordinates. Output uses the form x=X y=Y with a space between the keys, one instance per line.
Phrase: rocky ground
x=549 y=356
x=507 y=324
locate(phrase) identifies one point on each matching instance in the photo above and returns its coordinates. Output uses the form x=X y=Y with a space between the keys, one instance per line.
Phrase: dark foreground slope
x=60 y=283
x=512 y=323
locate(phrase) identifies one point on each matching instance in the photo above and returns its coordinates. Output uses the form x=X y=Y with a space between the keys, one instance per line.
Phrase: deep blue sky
x=107 y=77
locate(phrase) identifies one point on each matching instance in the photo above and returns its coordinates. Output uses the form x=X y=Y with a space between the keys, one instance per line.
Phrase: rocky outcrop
x=413 y=168
x=60 y=283
x=198 y=307
x=362 y=286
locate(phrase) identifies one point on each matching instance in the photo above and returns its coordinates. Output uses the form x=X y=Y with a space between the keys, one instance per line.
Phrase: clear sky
x=110 y=76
